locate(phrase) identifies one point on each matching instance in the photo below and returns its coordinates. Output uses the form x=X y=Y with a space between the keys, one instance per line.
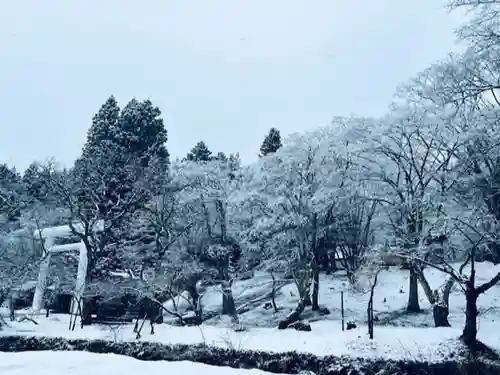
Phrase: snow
x=182 y=302
x=397 y=335
x=326 y=338
x=82 y=363
x=390 y=299
x=64 y=230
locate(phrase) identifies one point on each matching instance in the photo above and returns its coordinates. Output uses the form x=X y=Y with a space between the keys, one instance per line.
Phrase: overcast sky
x=222 y=71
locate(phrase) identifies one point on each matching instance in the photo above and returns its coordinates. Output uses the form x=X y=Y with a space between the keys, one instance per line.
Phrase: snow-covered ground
x=81 y=363
x=397 y=335
x=326 y=338
x=391 y=297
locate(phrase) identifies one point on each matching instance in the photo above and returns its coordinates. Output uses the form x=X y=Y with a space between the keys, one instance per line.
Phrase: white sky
x=222 y=71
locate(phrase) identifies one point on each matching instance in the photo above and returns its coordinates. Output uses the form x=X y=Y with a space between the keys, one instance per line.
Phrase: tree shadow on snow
x=404 y=318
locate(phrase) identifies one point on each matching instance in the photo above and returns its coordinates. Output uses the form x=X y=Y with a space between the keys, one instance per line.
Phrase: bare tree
x=208 y=195
x=482 y=31
x=296 y=197
x=354 y=233
x=414 y=153
x=302 y=278
x=20 y=256
x=160 y=224
x=464 y=88
x=467 y=282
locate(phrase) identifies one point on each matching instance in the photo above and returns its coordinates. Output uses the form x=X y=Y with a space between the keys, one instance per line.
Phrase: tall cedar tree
x=111 y=174
x=271 y=143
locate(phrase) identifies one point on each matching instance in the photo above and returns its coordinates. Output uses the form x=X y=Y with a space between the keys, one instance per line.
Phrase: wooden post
x=78 y=313
x=342 y=308
x=71 y=313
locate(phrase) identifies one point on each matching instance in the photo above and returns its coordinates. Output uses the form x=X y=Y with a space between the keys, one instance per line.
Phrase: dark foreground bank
x=291 y=362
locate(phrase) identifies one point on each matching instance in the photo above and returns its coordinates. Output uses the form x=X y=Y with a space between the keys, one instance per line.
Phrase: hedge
x=278 y=363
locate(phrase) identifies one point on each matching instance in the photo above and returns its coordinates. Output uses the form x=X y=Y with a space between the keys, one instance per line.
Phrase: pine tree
x=200 y=152
x=271 y=143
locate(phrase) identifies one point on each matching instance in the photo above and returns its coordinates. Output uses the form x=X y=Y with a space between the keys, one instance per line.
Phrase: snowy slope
x=391 y=296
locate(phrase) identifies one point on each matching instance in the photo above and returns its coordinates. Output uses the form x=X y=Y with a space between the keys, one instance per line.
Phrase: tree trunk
x=333 y=261
x=207 y=216
x=469 y=334
x=440 y=308
x=305 y=294
x=195 y=297
x=351 y=276
x=315 y=288
x=12 y=310
x=228 y=306
x=413 y=305
x=307 y=299
x=324 y=259
x=370 y=307
x=315 y=264
x=440 y=313
x=438 y=299
x=425 y=284
x=273 y=293
x=86 y=312
x=293 y=317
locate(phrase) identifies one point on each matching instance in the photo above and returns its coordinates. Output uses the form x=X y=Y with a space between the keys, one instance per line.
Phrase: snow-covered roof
x=64 y=230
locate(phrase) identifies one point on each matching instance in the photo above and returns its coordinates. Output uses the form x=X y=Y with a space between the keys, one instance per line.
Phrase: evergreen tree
x=33 y=182
x=271 y=143
x=138 y=130
x=124 y=146
x=143 y=133
x=101 y=158
x=12 y=195
x=221 y=156
x=143 y=136
x=234 y=164
x=104 y=129
x=111 y=180
x=36 y=185
x=104 y=188
x=200 y=152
